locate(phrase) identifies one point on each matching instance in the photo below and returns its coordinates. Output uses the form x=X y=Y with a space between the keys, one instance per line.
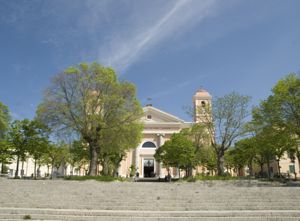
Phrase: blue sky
x=169 y=49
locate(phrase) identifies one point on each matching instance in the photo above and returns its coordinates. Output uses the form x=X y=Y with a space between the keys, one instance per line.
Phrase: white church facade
x=158 y=128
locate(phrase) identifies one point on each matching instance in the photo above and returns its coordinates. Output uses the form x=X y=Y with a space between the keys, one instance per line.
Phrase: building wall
x=28 y=168
x=285 y=167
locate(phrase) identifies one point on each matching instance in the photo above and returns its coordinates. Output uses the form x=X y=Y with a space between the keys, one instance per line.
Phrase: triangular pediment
x=154 y=115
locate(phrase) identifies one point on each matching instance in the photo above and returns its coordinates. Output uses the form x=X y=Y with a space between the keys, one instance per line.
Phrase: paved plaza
x=92 y=200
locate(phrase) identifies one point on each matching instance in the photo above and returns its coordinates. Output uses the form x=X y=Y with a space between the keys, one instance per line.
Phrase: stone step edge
x=147 y=211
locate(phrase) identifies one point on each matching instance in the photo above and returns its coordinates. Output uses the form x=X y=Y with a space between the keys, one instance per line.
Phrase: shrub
x=202 y=177
x=97 y=178
x=27 y=217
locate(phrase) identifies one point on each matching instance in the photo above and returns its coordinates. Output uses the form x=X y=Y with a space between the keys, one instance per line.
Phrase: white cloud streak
x=123 y=52
x=121 y=33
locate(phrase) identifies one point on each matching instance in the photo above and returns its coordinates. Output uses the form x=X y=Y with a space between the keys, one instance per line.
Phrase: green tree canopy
x=280 y=114
x=4 y=119
x=178 y=152
x=89 y=100
x=28 y=138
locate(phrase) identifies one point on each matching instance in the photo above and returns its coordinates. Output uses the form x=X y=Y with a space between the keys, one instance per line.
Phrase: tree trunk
x=250 y=169
x=269 y=174
x=189 y=171
x=116 y=168
x=278 y=165
x=94 y=154
x=34 y=173
x=298 y=158
x=52 y=169
x=220 y=164
x=261 y=168
x=22 y=168
x=48 y=169
x=2 y=167
x=105 y=166
x=17 y=168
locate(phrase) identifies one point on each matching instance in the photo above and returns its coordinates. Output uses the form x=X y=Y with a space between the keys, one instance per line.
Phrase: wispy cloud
x=117 y=34
x=176 y=87
x=123 y=52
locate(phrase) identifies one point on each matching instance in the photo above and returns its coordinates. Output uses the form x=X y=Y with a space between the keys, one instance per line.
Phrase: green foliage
x=26 y=217
x=226 y=123
x=242 y=154
x=178 y=152
x=79 y=154
x=229 y=114
x=114 y=150
x=132 y=170
x=276 y=121
x=198 y=134
x=88 y=100
x=4 y=119
x=97 y=178
x=57 y=155
x=28 y=138
x=6 y=154
x=203 y=178
x=208 y=158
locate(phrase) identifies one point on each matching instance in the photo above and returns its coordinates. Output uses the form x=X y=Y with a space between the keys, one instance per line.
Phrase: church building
x=158 y=128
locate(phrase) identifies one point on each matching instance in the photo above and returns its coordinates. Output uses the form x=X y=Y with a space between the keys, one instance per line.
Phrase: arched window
x=203 y=103
x=148 y=144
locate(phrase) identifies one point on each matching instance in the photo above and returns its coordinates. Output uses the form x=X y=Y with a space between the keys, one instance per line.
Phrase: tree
x=37 y=141
x=27 y=137
x=177 y=152
x=280 y=112
x=207 y=157
x=6 y=154
x=17 y=136
x=245 y=153
x=5 y=150
x=4 y=120
x=198 y=134
x=88 y=100
x=79 y=154
x=114 y=150
x=58 y=155
x=225 y=121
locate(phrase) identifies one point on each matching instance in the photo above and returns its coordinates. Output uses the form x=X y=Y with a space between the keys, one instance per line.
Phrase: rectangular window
x=292 y=168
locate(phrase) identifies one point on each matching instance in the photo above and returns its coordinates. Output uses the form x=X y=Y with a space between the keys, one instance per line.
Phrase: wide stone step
x=71 y=214
x=174 y=207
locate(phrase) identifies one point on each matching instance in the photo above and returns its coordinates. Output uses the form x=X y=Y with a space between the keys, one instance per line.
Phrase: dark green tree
x=208 y=159
x=5 y=149
x=4 y=120
x=279 y=116
x=6 y=154
x=178 y=152
x=18 y=138
x=79 y=154
x=28 y=138
x=244 y=153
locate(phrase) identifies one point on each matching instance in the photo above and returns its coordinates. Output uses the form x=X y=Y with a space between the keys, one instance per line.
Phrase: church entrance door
x=149 y=168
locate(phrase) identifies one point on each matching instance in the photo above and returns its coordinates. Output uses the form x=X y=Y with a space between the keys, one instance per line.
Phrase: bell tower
x=202 y=106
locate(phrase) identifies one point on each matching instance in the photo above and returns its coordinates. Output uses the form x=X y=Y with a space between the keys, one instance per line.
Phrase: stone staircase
x=91 y=200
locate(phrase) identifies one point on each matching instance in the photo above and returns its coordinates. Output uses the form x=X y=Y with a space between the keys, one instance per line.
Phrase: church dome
x=201 y=93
